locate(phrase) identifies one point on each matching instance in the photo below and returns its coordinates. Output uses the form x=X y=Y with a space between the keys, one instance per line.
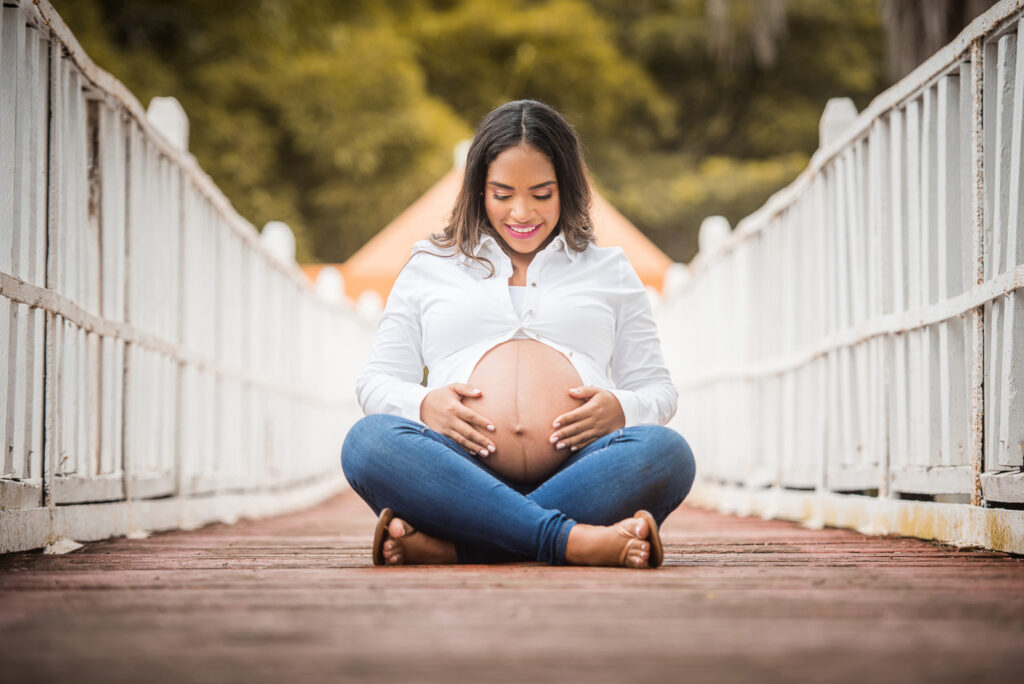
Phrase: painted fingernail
x=474 y=391
x=491 y=448
x=638 y=529
x=572 y=448
x=560 y=445
x=485 y=452
x=554 y=438
x=491 y=428
x=557 y=424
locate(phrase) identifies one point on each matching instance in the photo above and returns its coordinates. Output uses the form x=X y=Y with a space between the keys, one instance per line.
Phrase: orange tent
x=376 y=265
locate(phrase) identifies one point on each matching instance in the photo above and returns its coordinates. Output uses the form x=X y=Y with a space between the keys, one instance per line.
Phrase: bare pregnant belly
x=524 y=386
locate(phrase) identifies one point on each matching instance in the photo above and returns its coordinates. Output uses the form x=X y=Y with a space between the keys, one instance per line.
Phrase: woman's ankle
x=606 y=546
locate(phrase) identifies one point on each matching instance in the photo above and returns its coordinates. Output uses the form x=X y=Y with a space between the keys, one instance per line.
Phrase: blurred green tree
x=334 y=116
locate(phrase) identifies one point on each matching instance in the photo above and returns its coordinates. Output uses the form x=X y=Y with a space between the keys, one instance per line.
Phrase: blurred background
x=334 y=116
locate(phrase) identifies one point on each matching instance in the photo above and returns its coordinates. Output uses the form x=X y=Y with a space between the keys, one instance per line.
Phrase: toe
x=398 y=528
x=641 y=527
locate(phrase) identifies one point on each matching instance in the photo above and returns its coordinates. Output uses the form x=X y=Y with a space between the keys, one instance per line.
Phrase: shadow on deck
x=295 y=598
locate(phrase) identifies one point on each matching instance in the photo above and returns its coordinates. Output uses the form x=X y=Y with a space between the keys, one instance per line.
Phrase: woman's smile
x=521 y=232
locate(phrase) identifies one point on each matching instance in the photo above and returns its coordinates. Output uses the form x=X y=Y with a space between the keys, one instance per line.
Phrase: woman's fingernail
x=560 y=445
x=554 y=438
x=557 y=425
x=491 y=428
x=474 y=391
x=485 y=452
x=491 y=448
x=572 y=448
x=638 y=529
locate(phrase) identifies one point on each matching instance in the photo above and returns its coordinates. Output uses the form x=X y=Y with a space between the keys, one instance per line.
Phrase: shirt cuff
x=411 y=402
x=630 y=404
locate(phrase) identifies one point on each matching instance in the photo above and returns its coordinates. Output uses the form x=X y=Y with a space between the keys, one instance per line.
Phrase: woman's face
x=522 y=198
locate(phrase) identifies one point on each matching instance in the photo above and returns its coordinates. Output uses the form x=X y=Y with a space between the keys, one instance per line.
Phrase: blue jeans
x=431 y=482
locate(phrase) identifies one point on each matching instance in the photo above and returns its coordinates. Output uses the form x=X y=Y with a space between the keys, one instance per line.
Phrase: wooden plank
x=853 y=477
x=9 y=92
x=34 y=256
x=932 y=364
x=17 y=494
x=917 y=361
x=845 y=388
x=247 y=581
x=931 y=479
x=19 y=388
x=55 y=213
x=152 y=486
x=1004 y=486
x=952 y=369
x=9 y=340
x=71 y=489
x=999 y=110
x=32 y=450
x=21 y=173
x=899 y=407
x=882 y=282
x=1010 y=450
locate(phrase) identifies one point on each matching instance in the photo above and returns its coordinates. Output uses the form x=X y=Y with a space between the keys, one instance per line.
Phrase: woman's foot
x=405 y=546
x=627 y=543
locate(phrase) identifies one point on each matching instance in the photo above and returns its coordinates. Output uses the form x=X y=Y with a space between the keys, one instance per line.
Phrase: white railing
x=840 y=338
x=157 y=357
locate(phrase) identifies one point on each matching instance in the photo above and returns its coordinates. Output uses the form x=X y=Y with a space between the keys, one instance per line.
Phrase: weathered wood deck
x=296 y=599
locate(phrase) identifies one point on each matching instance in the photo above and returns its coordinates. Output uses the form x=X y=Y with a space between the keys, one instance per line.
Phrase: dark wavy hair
x=541 y=127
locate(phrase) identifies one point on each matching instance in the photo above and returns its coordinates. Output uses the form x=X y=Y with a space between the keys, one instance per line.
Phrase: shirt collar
x=489 y=242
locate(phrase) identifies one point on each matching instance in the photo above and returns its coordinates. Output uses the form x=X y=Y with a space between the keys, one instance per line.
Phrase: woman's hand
x=442 y=410
x=600 y=415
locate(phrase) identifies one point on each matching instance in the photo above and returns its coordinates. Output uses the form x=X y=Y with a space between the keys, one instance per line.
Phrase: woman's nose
x=520 y=210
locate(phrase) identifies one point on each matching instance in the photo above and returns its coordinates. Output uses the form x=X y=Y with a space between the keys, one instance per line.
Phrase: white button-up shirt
x=445 y=313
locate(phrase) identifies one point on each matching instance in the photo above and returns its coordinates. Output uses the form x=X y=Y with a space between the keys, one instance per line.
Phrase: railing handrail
x=982 y=27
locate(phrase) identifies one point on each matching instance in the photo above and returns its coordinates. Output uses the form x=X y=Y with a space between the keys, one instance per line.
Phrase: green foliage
x=333 y=117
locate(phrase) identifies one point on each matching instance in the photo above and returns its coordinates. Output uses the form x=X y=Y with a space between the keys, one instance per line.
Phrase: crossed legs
x=477 y=518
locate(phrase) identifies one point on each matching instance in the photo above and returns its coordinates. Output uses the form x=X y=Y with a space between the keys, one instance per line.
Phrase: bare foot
x=624 y=543
x=405 y=546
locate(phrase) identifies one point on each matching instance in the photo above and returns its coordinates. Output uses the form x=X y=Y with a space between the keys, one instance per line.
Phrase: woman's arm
x=642 y=382
x=390 y=382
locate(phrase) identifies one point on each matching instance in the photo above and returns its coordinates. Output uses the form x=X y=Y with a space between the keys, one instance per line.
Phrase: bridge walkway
x=296 y=598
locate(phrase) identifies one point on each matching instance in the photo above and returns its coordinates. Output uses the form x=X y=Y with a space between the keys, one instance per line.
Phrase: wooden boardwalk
x=296 y=599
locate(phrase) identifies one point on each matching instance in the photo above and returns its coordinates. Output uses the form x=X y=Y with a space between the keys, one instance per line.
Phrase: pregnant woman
x=539 y=432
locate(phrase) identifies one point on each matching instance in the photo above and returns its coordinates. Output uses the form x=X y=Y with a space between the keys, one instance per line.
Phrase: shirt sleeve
x=390 y=382
x=643 y=385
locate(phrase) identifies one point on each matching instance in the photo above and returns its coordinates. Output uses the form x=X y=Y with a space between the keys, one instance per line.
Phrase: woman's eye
x=543 y=197
x=501 y=197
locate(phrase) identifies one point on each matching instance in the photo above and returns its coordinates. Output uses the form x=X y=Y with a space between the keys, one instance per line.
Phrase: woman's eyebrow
x=532 y=187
